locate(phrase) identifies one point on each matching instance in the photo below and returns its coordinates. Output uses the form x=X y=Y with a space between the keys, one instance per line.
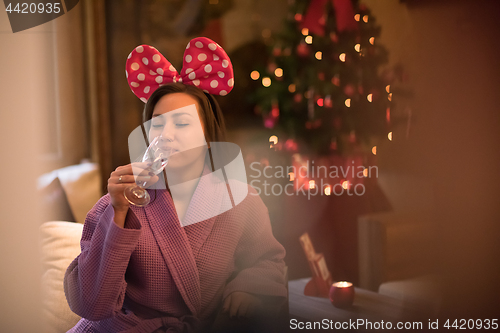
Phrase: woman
x=141 y=269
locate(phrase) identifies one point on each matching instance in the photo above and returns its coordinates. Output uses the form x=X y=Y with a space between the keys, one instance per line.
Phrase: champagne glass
x=156 y=158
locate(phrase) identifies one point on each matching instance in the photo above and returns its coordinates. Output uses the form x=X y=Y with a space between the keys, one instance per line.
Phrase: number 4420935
x=463 y=324
x=32 y=8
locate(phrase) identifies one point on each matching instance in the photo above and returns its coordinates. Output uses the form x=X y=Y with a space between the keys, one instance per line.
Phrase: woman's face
x=176 y=121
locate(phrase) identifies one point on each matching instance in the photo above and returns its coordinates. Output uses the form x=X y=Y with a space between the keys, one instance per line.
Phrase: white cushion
x=82 y=185
x=60 y=245
x=423 y=291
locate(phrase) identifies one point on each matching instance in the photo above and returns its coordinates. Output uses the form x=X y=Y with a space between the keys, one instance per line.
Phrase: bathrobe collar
x=179 y=248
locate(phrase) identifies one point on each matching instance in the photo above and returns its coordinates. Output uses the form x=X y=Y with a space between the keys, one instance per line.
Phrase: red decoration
x=291 y=145
x=342 y=294
x=349 y=90
x=303 y=49
x=344 y=16
x=298 y=17
x=276 y=52
x=328 y=101
x=334 y=37
x=297 y=98
x=336 y=80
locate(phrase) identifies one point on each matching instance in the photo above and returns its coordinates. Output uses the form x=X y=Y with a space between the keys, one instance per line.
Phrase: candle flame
x=342 y=284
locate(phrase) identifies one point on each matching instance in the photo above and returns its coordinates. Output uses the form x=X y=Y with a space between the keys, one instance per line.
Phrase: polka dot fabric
x=206 y=66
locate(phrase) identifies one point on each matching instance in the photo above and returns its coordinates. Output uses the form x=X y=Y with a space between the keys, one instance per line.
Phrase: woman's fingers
x=227 y=303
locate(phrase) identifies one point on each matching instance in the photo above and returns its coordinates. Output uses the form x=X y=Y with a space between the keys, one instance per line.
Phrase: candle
x=342 y=294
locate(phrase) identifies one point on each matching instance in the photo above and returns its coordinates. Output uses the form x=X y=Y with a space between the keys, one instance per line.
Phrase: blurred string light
x=388 y=88
x=356 y=17
x=309 y=39
x=365 y=18
x=266 y=82
x=357 y=47
x=319 y=55
x=374 y=150
x=365 y=172
x=305 y=31
x=292 y=176
x=320 y=101
x=348 y=102
x=342 y=57
x=312 y=184
x=273 y=139
x=389 y=97
x=328 y=190
x=369 y=97
x=389 y=136
x=291 y=88
x=255 y=75
x=372 y=40
x=278 y=72
x=345 y=184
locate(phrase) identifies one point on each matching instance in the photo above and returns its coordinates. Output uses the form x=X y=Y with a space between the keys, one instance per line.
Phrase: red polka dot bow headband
x=206 y=66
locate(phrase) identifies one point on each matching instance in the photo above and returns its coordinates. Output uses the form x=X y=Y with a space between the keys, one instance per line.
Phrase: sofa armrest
x=394 y=246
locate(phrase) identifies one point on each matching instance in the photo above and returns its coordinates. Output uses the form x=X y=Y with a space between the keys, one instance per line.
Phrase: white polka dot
x=134 y=84
x=223 y=93
x=221 y=74
x=152 y=47
x=144 y=100
x=216 y=57
x=188 y=58
x=134 y=66
x=145 y=61
x=151 y=72
x=212 y=46
x=214 y=84
x=188 y=70
x=171 y=68
x=139 y=49
x=129 y=55
x=202 y=57
x=208 y=68
x=159 y=79
x=141 y=77
x=225 y=63
x=199 y=45
x=159 y=71
x=126 y=74
x=192 y=76
x=189 y=44
x=230 y=82
x=146 y=90
x=196 y=82
x=179 y=80
x=156 y=58
x=174 y=80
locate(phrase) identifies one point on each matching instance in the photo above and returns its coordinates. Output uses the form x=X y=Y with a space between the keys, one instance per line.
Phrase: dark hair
x=209 y=110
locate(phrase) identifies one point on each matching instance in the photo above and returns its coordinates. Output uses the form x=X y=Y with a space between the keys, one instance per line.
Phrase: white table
x=368 y=306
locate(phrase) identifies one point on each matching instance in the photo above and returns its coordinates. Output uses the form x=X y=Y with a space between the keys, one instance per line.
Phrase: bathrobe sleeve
x=259 y=256
x=94 y=283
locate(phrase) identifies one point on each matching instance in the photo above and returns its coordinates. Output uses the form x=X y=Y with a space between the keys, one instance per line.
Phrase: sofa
x=398 y=250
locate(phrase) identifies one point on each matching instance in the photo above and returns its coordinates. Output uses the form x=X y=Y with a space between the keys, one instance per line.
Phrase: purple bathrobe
x=156 y=275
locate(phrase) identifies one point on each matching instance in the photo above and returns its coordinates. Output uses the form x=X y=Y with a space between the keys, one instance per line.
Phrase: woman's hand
x=240 y=304
x=121 y=178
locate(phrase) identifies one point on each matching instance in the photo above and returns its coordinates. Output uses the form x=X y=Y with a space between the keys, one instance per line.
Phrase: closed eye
x=181 y=125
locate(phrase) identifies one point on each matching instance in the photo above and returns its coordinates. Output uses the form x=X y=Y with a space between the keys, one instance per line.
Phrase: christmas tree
x=321 y=86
